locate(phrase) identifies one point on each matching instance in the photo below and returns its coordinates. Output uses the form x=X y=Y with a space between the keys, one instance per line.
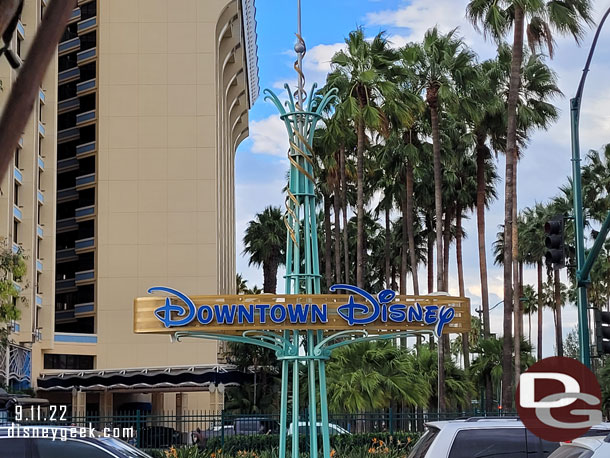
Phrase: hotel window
x=40 y=111
x=38 y=240
x=19 y=40
x=39 y=179
x=38 y=211
x=16 y=195
x=17 y=157
x=38 y=291
x=15 y=231
x=68 y=362
x=40 y=145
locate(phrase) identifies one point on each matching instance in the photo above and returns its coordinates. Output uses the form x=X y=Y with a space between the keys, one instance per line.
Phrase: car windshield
x=126 y=449
x=424 y=443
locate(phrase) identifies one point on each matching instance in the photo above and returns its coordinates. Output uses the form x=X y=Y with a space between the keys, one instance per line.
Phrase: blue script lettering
x=352 y=309
x=446 y=314
x=164 y=313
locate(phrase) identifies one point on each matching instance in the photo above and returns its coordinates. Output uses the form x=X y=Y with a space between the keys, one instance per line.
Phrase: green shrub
x=345 y=445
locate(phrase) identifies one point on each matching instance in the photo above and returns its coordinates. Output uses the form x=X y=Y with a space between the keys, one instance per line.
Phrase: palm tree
x=444 y=66
x=370 y=375
x=265 y=242
x=530 y=305
x=362 y=75
x=242 y=284
x=496 y=17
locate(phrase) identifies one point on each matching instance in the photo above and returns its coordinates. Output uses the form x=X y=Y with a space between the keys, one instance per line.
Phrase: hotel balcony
x=85 y=309
x=84 y=245
x=67 y=165
x=65 y=286
x=68 y=46
x=66 y=255
x=66 y=135
x=66 y=225
x=86 y=149
x=75 y=16
x=85 y=213
x=86 y=56
x=85 y=181
x=84 y=277
x=63 y=316
x=68 y=105
x=87 y=25
x=86 y=87
x=18 y=175
x=86 y=118
x=72 y=74
x=67 y=195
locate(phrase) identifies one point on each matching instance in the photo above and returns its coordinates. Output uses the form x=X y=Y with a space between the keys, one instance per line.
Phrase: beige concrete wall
x=28 y=200
x=161 y=219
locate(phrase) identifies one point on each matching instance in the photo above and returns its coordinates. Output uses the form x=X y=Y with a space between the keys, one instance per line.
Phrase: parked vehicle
x=333 y=429
x=584 y=447
x=489 y=437
x=16 y=445
x=159 y=437
x=241 y=426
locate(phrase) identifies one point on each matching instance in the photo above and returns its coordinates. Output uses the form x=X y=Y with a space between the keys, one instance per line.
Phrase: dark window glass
x=488 y=443
x=48 y=448
x=424 y=443
x=19 y=40
x=17 y=157
x=16 y=231
x=537 y=447
x=16 y=196
x=68 y=361
x=14 y=448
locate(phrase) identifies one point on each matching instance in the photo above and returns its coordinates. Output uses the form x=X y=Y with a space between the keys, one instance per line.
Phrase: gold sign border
x=145 y=321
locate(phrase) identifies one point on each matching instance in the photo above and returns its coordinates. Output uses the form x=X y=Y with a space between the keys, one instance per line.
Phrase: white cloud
x=269 y=136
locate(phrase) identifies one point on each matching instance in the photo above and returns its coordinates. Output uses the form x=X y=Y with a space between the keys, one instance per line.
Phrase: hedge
x=260 y=442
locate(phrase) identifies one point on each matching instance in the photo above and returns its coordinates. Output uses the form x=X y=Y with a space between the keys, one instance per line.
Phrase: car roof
x=489 y=422
x=590 y=443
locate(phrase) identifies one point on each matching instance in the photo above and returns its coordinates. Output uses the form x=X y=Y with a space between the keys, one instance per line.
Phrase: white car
x=333 y=429
x=488 y=437
x=584 y=447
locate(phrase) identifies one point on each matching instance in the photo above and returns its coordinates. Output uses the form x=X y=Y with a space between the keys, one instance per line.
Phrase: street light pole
x=583 y=267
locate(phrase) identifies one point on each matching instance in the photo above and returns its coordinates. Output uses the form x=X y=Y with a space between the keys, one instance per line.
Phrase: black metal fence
x=147 y=430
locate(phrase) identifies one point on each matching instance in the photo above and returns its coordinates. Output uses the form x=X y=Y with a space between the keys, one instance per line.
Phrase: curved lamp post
x=583 y=266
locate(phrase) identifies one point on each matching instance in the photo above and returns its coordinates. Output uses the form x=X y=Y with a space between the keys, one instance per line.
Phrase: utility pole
x=583 y=266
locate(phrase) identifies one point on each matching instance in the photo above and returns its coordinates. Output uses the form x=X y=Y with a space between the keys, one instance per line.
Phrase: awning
x=176 y=378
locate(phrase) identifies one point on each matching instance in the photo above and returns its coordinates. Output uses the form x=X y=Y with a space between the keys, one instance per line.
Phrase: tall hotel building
x=131 y=161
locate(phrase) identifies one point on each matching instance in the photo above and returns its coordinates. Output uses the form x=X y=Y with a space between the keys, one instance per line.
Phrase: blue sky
x=261 y=162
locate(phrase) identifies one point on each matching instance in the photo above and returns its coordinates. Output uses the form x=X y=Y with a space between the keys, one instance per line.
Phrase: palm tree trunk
x=438 y=195
x=511 y=143
x=559 y=333
x=360 y=204
x=516 y=282
x=411 y=228
x=403 y=246
x=344 y=212
x=540 y=307
x=482 y=154
x=430 y=258
x=328 y=272
x=460 y=269
x=388 y=236
x=446 y=246
x=336 y=212
x=270 y=276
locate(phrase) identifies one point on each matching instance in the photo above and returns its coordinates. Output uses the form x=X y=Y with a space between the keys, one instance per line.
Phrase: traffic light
x=602 y=332
x=554 y=242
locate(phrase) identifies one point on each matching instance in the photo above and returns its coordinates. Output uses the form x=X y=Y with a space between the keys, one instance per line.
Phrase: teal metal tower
x=300 y=115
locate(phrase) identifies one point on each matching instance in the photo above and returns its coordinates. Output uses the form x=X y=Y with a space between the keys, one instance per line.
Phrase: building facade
x=152 y=100
x=27 y=211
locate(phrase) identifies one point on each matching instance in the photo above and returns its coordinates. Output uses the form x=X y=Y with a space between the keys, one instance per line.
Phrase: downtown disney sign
x=383 y=314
